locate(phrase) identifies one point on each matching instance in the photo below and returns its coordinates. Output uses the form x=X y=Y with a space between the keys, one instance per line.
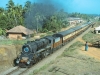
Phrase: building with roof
x=97 y=30
x=19 y=32
x=74 y=21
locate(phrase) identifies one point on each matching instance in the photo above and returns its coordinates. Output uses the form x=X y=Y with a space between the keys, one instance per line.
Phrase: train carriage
x=77 y=30
x=66 y=35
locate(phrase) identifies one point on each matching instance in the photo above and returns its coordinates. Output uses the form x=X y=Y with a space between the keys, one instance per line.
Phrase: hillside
x=7 y=54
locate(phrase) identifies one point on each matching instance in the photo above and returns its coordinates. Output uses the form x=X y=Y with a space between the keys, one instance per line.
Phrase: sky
x=81 y=6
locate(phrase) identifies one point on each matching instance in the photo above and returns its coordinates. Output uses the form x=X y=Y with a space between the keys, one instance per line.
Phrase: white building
x=97 y=30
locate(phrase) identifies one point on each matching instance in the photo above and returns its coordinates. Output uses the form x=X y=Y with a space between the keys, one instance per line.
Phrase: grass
x=42 y=36
x=42 y=68
x=12 y=42
x=38 y=70
x=91 y=37
x=72 y=48
x=49 y=33
x=97 y=24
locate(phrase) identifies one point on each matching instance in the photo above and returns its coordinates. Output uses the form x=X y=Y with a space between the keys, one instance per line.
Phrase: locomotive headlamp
x=28 y=62
x=26 y=49
x=17 y=61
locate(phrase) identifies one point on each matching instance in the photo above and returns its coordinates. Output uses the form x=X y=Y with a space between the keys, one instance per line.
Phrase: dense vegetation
x=38 y=16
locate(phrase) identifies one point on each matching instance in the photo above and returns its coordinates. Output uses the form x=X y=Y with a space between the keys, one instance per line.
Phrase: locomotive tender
x=33 y=51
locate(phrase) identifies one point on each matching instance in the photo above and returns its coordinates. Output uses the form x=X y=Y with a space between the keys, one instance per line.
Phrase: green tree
x=1 y=31
x=52 y=24
x=27 y=6
x=99 y=18
x=14 y=14
x=3 y=22
x=11 y=13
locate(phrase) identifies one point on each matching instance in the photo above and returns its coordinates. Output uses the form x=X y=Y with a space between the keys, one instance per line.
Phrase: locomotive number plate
x=25 y=58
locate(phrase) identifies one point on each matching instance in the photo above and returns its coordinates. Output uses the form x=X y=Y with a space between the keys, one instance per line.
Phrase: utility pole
x=37 y=24
x=37 y=20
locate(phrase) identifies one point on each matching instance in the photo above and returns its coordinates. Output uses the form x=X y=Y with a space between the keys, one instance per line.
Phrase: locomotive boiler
x=31 y=51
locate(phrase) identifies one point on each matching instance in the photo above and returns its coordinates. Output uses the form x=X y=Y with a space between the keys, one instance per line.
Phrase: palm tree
x=10 y=11
x=14 y=13
x=19 y=14
x=1 y=10
x=27 y=6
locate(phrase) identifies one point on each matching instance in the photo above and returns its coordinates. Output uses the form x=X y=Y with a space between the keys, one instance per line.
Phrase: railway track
x=17 y=71
x=22 y=71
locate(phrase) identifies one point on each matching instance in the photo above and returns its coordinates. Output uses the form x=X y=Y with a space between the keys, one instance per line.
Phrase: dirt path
x=92 y=51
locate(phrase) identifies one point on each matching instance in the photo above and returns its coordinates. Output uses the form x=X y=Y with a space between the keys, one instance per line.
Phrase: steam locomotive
x=33 y=51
